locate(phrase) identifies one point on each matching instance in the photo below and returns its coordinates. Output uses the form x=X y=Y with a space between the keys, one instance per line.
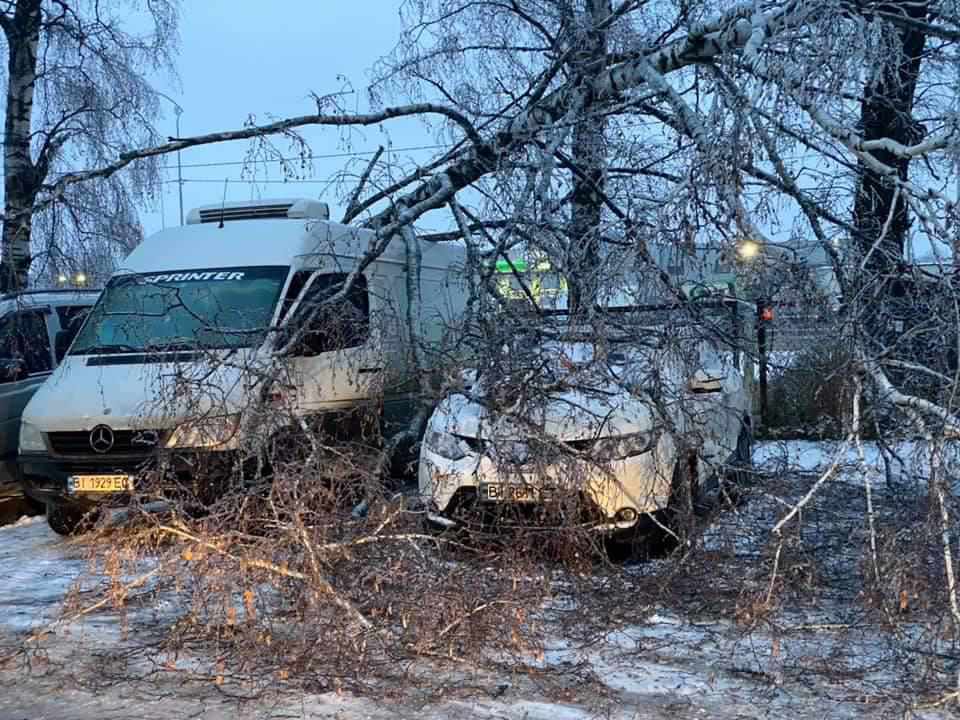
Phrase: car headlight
x=623 y=447
x=31 y=439
x=446 y=445
x=206 y=432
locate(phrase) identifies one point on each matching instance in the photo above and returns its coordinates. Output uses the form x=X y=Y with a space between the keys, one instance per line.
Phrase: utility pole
x=178 y=111
x=764 y=315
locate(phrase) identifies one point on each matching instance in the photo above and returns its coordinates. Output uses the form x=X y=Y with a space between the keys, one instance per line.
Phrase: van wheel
x=34 y=506
x=71 y=519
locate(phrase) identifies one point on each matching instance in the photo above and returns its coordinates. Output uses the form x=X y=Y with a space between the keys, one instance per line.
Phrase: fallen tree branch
x=778 y=528
x=276 y=569
x=355 y=195
x=55 y=191
x=132 y=585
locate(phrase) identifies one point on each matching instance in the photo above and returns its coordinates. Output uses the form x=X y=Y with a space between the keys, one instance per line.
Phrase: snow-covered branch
x=55 y=190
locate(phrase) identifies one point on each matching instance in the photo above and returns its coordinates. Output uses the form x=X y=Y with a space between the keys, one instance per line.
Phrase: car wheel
x=743 y=457
x=71 y=519
x=745 y=444
x=623 y=547
x=657 y=535
x=686 y=493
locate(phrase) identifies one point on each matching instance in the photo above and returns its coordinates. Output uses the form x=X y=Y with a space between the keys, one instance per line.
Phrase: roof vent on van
x=297 y=209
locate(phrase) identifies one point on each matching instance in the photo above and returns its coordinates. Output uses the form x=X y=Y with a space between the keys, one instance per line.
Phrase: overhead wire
x=299 y=158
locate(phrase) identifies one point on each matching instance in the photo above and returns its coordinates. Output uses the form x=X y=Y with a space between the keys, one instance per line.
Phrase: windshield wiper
x=172 y=345
x=105 y=349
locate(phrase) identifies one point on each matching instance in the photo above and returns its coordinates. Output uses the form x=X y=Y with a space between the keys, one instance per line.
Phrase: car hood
x=566 y=416
x=81 y=394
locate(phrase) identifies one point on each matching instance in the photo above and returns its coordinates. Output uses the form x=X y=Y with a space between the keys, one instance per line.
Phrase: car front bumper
x=634 y=486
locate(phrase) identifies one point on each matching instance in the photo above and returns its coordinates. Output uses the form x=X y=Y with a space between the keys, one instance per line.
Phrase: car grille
x=125 y=442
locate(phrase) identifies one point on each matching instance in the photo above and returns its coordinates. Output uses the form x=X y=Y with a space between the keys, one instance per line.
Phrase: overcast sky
x=240 y=57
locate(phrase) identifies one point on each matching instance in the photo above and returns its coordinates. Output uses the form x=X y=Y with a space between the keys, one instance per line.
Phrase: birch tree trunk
x=886 y=111
x=21 y=180
x=589 y=155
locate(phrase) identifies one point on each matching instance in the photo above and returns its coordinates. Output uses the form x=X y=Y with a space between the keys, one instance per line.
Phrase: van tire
x=71 y=519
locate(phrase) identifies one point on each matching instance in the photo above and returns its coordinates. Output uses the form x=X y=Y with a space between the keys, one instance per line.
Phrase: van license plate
x=99 y=484
x=509 y=492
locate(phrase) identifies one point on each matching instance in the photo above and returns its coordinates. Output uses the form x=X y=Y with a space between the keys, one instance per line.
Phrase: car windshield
x=210 y=308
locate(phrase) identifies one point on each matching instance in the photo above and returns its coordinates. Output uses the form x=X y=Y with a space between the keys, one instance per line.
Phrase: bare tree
x=77 y=94
x=591 y=133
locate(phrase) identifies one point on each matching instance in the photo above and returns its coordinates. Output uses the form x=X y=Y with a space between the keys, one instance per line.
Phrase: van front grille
x=141 y=442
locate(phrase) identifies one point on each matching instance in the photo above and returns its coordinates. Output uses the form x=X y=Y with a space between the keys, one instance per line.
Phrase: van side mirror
x=12 y=369
x=61 y=343
x=284 y=334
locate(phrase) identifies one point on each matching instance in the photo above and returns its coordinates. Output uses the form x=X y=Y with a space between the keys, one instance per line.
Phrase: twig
x=460 y=620
x=866 y=479
x=938 y=487
x=325 y=585
x=133 y=584
x=773 y=575
x=816 y=486
x=355 y=196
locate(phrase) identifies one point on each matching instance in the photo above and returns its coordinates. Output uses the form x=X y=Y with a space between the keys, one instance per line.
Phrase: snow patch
x=24 y=521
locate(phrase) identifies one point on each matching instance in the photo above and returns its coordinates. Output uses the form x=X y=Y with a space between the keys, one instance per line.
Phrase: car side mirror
x=61 y=343
x=703 y=382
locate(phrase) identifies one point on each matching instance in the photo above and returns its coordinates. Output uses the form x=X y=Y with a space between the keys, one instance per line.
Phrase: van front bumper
x=46 y=478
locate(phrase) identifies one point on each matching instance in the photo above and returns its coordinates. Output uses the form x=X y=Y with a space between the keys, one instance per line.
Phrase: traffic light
x=764 y=311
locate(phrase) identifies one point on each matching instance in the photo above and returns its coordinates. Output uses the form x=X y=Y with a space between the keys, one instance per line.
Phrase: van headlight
x=31 y=438
x=446 y=445
x=624 y=446
x=207 y=432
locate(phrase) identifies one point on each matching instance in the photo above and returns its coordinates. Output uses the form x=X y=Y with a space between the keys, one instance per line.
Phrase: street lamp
x=178 y=111
x=748 y=249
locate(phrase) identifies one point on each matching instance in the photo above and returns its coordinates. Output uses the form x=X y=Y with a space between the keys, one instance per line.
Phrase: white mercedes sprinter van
x=207 y=320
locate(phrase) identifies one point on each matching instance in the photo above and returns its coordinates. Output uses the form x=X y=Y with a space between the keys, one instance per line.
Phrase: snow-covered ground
x=663 y=663
x=36 y=569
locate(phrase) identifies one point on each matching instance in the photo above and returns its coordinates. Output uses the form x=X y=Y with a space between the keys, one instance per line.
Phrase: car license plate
x=100 y=483
x=509 y=492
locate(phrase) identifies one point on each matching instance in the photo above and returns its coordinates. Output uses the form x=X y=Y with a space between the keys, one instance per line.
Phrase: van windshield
x=208 y=308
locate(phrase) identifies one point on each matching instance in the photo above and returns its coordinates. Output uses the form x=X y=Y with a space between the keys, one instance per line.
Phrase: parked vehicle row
x=179 y=360
x=36 y=327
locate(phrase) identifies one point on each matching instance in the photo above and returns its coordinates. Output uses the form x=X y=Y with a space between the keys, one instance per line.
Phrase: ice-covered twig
x=827 y=474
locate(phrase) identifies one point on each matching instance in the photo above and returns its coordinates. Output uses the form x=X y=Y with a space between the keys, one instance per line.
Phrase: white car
x=607 y=435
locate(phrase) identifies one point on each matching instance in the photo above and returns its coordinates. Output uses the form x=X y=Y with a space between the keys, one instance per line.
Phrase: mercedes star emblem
x=101 y=439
